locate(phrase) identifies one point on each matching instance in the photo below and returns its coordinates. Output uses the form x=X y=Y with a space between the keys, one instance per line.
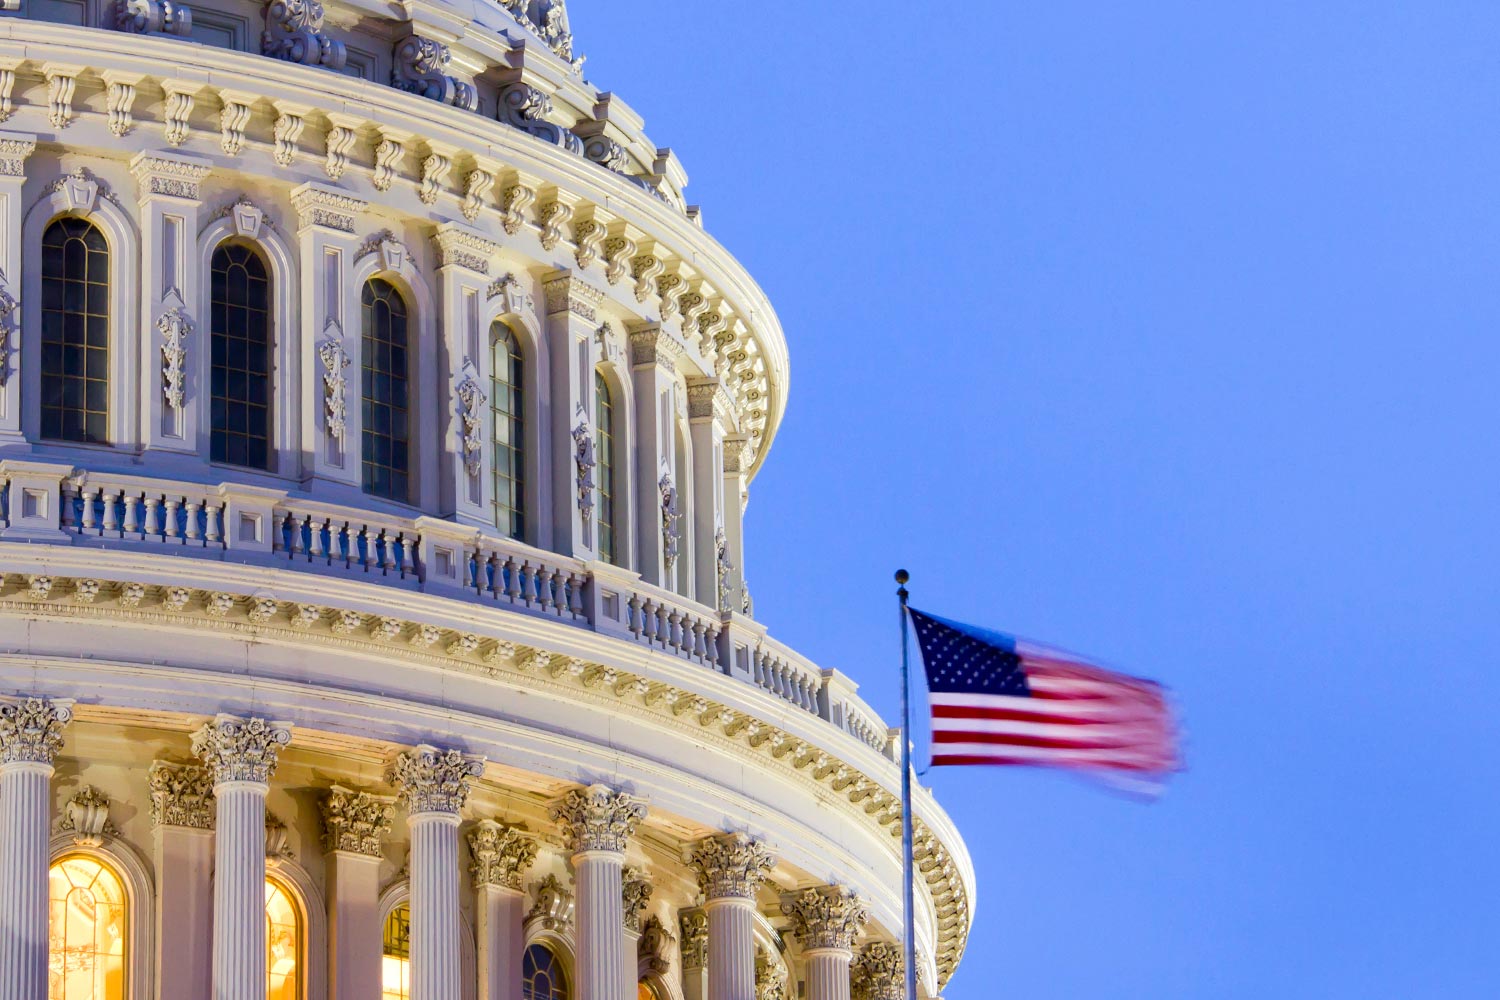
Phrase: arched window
x=240 y=322
x=75 y=332
x=604 y=456
x=387 y=462
x=87 y=936
x=506 y=409
x=543 y=976
x=395 y=961
x=645 y=991
x=283 y=944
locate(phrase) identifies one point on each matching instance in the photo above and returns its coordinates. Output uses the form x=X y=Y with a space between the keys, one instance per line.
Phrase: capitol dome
x=376 y=425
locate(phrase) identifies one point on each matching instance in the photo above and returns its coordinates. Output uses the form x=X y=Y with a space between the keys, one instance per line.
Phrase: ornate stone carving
x=636 y=889
x=388 y=153
x=574 y=296
x=119 y=99
x=587 y=236
x=471 y=400
x=598 y=818
x=233 y=117
x=31 y=730
x=770 y=979
x=501 y=855
x=179 y=111
x=607 y=153
x=617 y=258
x=435 y=167
x=553 y=216
x=825 y=917
x=321 y=206
x=434 y=780
x=61 y=82
x=181 y=795
x=174 y=327
x=548 y=20
x=86 y=817
x=420 y=66
x=458 y=245
x=286 y=132
x=524 y=107
x=654 y=950
x=294 y=32
x=879 y=973
x=666 y=288
x=731 y=866
x=725 y=570
x=476 y=186
x=513 y=204
x=356 y=821
x=153 y=17
x=554 y=906
x=86 y=591
x=509 y=288
x=583 y=461
x=335 y=359
x=171 y=175
x=278 y=840
x=236 y=749
x=670 y=515
x=14 y=149
x=340 y=141
x=694 y=927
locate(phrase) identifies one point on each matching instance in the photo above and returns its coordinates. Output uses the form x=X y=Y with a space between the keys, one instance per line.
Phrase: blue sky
x=1167 y=332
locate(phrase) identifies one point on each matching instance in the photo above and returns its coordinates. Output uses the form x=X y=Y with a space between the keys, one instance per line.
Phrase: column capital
x=825 y=917
x=356 y=822
x=31 y=730
x=770 y=980
x=170 y=175
x=731 y=866
x=433 y=780
x=635 y=890
x=181 y=795
x=566 y=293
x=501 y=855
x=327 y=207
x=694 y=926
x=238 y=749
x=650 y=345
x=456 y=245
x=598 y=818
x=879 y=973
x=15 y=147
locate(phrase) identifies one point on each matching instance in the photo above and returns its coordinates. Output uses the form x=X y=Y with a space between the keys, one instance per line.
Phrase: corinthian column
x=826 y=921
x=30 y=736
x=501 y=856
x=354 y=826
x=597 y=823
x=730 y=870
x=434 y=785
x=241 y=754
x=880 y=972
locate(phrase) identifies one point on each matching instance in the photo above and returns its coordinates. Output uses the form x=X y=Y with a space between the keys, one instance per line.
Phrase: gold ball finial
x=902 y=576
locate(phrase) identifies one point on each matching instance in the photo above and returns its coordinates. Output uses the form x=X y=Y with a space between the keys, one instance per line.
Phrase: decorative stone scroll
x=646 y=269
x=159 y=17
x=236 y=749
x=825 y=917
x=554 y=906
x=501 y=855
x=587 y=236
x=62 y=81
x=553 y=216
x=635 y=889
x=879 y=973
x=670 y=515
x=731 y=866
x=86 y=817
x=525 y=107
x=513 y=204
x=420 y=66
x=181 y=795
x=356 y=822
x=434 y=780
x=617 y=258
x=598 y=818
x=583 y=461
x=607 y=153
x=174 y=327
x=287 y=130
x=471 y=400
x=388 y=153
x=654 y=951
x=294 y=32
x=724 y=569
x=31 y=730
x=335 y=359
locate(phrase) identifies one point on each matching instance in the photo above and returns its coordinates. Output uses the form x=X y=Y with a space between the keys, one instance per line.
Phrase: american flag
x=997 y=699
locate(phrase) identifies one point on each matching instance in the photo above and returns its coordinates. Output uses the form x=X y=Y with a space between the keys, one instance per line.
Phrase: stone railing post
x=826 y=921
x=731 y=869
x=597 y=823
x=501 y=856
x=241 y=755
x=434 y=786
x=355 y=825
x=30 y=737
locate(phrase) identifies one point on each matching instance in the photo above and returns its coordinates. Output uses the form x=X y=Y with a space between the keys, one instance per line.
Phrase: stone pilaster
x=880 y=972
x=434 y=786
x=636 y=891
x=597 y=824
x=241 y=754
x=182 y=818
x=714 y=567
x=693 y=924
x=30 y=737
x=355 y=825
x=731 y=869
x=573 y=320
x=826 y=921
x=653 y=373
x=500 y=856
x=15 y=147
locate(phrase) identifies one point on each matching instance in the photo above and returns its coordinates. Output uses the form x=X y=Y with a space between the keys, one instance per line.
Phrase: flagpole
x=909 y=909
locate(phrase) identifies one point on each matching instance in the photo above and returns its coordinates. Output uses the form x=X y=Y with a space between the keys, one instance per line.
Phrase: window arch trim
x=135 y=875
x=305 y=895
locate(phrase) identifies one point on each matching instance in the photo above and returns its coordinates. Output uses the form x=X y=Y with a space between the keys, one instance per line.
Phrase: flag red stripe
x=1080 y=742
x=1144 y=767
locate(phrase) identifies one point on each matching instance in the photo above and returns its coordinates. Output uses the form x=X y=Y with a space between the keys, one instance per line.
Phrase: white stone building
x=376 y=423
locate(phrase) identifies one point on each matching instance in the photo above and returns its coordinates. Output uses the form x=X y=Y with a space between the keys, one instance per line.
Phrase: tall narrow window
x=387 y=462
x=604 y=456
x=542 y=975
x=240 y=318
x=395 y=960
x=75 y=332
x=86 y=931
x=283 y=944
x=506 y=406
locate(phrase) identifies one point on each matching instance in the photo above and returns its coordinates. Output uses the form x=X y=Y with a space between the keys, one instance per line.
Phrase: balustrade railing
x=43 y=502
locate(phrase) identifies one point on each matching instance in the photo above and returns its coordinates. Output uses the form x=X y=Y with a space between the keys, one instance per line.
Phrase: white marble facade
x=376 y=426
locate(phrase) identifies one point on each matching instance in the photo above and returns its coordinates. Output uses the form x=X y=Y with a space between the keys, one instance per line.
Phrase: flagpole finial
x=901 y=577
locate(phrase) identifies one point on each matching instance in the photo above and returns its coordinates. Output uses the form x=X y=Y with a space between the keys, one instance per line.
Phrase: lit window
x=604 y=456
x=75 y=332
x=395 y=962
x=510 y=444
x=240 y=323
x=644 y=991
x=283 y=944
x=86 y=931
x=387 y=463
x=542 y=975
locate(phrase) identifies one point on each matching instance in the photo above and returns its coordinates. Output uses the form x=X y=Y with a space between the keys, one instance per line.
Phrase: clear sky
x=1168 y=332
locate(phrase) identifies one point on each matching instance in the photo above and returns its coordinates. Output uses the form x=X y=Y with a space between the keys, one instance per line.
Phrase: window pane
x=508 y=432
x=604 y=456
x=75 y=301
x=87 y=935
x=395 y=969
x=283 y=945
x=542 y=975
x=384 y=399
x=240 y=378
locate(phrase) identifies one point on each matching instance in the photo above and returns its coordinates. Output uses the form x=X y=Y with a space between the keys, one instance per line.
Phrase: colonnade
x=222 y=805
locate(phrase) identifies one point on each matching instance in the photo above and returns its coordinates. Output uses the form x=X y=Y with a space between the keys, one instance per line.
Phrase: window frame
x=412 y=471
x=520 y=427
x=271 y=315
x=105 y=320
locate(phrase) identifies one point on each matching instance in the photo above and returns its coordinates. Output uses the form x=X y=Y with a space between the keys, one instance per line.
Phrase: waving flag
x=997 y=699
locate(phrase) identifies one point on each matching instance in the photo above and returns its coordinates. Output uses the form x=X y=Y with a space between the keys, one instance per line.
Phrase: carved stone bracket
x=294 y=32
x=553 y=909
x=654 y=952
x=598 y=818
x=646 y=269
x=158 y=17
x=525 y=107
x=31 y=730
x=501 y=855
x=731 y=866
x=181 y=795
x=420 y=66
x=236 y=749
x=86 y=817
x=548 y=20
x=62 y=81
x=356 y=822
x=617 y=254
x=434 y=780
